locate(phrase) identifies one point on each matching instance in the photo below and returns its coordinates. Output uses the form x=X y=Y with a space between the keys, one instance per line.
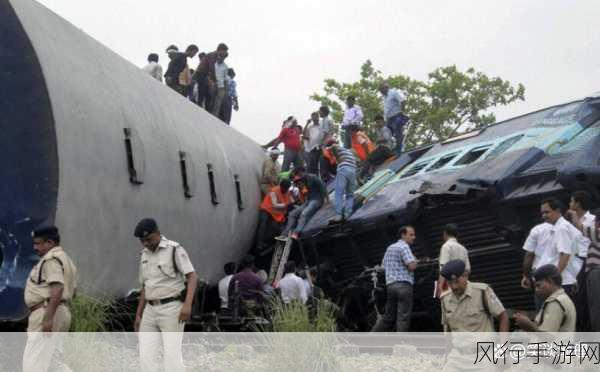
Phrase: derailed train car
x=92 y=144
x=490 y=182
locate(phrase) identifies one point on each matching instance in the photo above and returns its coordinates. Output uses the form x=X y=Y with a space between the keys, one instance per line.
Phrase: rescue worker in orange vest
x=329 y=162
x=361 y=144
x=273 y=210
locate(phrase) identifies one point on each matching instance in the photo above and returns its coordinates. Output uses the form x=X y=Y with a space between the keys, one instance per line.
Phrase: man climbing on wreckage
x=315 y=198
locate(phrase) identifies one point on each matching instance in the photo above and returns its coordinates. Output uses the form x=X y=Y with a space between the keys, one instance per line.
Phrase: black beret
x=46 y=232
x=546 y=271
x=453 y=269
x=145 y=227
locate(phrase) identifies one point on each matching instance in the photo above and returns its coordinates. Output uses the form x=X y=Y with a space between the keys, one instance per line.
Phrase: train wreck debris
x=490 y=183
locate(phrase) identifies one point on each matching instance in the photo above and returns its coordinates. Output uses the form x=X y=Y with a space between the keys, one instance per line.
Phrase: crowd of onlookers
x=248 y=288
x=561 y=266
x=211 y=85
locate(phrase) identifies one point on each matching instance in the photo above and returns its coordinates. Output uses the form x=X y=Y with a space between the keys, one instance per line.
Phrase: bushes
x=89 y=314
x=296 y=316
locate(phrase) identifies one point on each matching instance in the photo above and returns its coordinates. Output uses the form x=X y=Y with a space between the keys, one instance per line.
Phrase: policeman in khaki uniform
x=467 y=306
x=558 y=312
x=164 y=304
x=49 y=289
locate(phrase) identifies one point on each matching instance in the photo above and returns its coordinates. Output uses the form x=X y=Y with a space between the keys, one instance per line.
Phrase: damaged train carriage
x=96 y=161
x=490 y=182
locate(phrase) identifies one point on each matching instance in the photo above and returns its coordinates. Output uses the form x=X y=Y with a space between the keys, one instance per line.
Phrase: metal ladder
x=280 y=257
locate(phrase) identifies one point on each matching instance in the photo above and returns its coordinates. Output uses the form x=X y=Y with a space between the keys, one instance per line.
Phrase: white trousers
x=44 y=350
x=161 y=322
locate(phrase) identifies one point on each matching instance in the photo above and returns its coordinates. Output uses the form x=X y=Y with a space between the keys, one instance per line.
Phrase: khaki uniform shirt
x=453 y=250
x=270 y=172
x=56 y=267
x=467 y=313
x=157 y=274
x=556 y=318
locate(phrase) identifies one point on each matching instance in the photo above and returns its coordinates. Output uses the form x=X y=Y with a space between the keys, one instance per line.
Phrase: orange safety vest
x=358 y=148
x=267 y=204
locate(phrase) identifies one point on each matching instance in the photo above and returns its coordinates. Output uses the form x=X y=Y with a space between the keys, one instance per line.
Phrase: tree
x=448 y=103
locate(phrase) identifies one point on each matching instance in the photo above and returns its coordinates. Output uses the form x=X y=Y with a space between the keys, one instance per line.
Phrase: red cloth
x=291 y=138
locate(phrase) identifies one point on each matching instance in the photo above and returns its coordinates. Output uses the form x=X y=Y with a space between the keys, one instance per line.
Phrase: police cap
x=145 y=227
x=548 y=272
x=453 y=269
x=46 y=232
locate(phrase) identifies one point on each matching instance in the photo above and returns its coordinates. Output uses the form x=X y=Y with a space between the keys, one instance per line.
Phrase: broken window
x=504 y=145
x=472 y=155
x=442 y=162
x=415 y=169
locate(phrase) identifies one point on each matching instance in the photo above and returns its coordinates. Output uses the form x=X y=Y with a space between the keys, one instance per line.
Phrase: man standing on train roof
x=178 y=76
x=393 y=105
x=353 y=117
x=270 y=171
x=165 y=302
x=345 y=181
x=48 y=292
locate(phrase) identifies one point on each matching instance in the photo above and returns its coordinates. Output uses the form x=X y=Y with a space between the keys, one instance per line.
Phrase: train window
x=503 y=146
x=472 y=155
x=238 y=191
x=442 y=161
x=211 y=181
x=415 y=169
x=135 y=156
x=187 y=174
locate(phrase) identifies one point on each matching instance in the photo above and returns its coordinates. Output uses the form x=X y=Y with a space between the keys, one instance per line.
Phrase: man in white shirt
x=552 y=242
x=326 y=125
x=353 y=117
x=579 y=215
x=229 y=270
x=312 y=138
x=153 y=68
x=221 y=85
x=451 y=250
x=292 y=286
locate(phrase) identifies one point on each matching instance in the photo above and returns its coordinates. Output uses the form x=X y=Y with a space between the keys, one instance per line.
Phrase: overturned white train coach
x=92 y=144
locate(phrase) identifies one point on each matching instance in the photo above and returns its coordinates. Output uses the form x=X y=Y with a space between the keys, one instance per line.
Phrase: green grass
x=89 y=314
x=295 y=317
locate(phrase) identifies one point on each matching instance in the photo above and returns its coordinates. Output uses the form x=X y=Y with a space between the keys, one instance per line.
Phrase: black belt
x=163 y=301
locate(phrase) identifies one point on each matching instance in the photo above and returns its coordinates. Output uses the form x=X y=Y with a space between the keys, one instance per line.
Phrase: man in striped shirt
x=345 y=181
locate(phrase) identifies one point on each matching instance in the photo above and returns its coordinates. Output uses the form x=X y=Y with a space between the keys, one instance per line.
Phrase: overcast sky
x=283 y=50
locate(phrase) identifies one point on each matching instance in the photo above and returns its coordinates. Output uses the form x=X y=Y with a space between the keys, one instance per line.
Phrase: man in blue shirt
x=393 y=103
x=399 y=264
